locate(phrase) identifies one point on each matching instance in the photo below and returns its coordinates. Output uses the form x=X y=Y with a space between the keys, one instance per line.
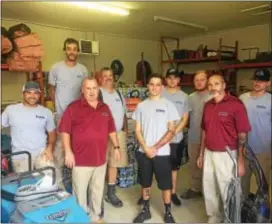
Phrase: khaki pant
x=196 y=173
x=218 y=170
x=122 y=138
x=91 y=179
x=265 y=162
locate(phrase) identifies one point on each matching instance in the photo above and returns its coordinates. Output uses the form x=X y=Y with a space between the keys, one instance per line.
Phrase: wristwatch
x=116 y=147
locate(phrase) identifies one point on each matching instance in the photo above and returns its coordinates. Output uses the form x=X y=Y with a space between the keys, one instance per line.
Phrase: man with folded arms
x=85 y=127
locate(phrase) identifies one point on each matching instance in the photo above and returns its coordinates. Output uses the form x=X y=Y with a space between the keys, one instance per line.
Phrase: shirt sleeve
x=241 y=119
x=85 y=72
x=136 y=115
x=172 y=114
x=111 y=124
x=203 y=118
x=65 y=125
x=5 y=118
x=50 y=123
x=186 y=108
x=52 y=79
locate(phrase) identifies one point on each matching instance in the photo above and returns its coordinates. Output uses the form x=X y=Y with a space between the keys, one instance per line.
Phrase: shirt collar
x=226 y=98
x=84 y=103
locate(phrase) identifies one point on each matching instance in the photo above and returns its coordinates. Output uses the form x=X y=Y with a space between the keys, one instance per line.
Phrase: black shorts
x=160 y=166
x=176 y=154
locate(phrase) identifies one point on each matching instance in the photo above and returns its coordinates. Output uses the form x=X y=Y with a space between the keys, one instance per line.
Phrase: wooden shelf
x=247 y=65
x=197 y=60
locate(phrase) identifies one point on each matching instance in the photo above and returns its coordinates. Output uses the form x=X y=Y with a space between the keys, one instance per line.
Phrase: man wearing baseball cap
x=258 y=105
x=180 y=99
x=29 y=124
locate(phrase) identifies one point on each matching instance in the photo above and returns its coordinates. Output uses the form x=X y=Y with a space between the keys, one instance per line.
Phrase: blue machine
x=56 y=207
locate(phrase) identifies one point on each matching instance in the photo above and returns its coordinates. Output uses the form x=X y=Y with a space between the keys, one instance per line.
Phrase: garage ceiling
x=215 y=15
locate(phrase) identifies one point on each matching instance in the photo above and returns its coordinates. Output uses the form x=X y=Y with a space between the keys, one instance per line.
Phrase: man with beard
x=30 y=123
x=155 y=126
x=224 y=123
x=179 y=98
x=116 y=103
x=197 y=101
x=65 y=80
x=85 y=127
x=258 y=105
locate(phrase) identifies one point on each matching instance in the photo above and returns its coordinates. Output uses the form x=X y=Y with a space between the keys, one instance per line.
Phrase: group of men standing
x=90 y=128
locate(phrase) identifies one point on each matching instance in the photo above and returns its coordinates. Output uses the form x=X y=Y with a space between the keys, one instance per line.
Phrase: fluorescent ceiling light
x=160 y=18
x=102 y=8
x=260 y=13
x=254 y=8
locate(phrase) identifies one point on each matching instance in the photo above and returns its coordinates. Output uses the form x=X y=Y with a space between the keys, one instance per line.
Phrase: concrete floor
x=190 y=211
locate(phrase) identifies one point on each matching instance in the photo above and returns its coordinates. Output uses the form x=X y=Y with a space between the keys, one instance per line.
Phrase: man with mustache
x=224 y=123
x=116 y=103
x=258 y=105
x=85 y=127
x=155 y=127
x=30 y=123
x=65 y=78
x=197 y=101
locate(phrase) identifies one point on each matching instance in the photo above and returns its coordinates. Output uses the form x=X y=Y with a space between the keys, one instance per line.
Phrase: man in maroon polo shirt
x=85 y=128
x=224 y=123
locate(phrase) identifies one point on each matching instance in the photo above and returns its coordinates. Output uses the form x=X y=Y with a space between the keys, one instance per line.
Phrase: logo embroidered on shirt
x=40 y=117
x=105 y=114
x=117 y=99
x=261 y=106
x=223 y=114
x=160 y=110
x=178 y=102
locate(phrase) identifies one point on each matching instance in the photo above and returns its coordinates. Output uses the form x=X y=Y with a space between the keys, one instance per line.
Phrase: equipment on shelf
x=143 y=70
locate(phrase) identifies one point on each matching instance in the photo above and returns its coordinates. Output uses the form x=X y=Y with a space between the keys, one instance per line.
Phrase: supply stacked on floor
x=128 y=176
x=28 y=49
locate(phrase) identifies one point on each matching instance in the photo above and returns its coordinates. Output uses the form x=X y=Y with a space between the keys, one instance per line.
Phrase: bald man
x=224 y=123
x=85 y=127
x=196 y=104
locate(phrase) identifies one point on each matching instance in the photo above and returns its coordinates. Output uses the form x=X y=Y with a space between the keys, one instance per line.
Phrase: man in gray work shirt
x=29 y=124
x=179 y=98
x=258 y=106
x=116 y=103
x=155 y=127
x=196 y=104
x=65 y=78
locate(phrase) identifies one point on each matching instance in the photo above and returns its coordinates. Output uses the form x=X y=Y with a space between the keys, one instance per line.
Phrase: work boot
x=112 y=198
x=175 y=200
x=168 y=218
x=143 y=215
x=140 y=201
x=191 y=194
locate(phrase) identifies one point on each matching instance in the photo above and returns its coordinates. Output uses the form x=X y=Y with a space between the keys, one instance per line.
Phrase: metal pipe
x=157 y=18
x=254 y=8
